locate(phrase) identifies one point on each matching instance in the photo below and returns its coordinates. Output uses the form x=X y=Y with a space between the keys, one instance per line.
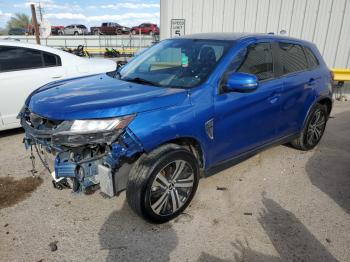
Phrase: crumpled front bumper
x=103 y=158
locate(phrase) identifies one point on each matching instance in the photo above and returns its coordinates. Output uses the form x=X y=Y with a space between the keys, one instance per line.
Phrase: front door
x=244 y=121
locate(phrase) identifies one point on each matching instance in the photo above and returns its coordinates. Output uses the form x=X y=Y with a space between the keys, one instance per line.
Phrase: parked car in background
x=56 y=30
x=17 y=31
x=110 y=29
x=178 y=111
x=145 y=28
x=25 y=67
x=74 y=30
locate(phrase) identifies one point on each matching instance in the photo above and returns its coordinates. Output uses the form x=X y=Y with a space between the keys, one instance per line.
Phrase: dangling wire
x=32 y=158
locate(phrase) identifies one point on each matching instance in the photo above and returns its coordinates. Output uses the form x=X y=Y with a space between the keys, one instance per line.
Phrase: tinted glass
x=81 y=26
x=18 y=58
x=313 y=62
x=258 y=61
x=292 y=58
x=51 y=60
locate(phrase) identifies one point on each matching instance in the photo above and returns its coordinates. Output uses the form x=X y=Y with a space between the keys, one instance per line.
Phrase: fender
x=316 y=101
x=157 y=127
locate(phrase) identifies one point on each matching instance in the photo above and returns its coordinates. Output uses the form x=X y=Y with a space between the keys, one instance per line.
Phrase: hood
x=99 y=96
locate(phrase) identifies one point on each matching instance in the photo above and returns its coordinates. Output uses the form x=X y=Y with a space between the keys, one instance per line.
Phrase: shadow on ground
x=329 y=167
x=290 y=238
x=129 y=238
x=11 y=132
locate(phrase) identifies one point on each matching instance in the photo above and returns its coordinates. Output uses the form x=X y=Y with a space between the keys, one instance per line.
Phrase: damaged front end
x=86 y=153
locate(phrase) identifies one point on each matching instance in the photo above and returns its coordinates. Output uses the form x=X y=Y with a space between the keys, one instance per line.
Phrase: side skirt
x=239 y=158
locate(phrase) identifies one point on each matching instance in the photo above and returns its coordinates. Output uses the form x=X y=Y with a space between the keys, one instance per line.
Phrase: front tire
x=313 y=130
x=162 y=183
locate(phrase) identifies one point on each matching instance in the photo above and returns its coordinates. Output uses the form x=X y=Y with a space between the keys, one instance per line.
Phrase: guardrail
x=341 y=77
x=93 y=42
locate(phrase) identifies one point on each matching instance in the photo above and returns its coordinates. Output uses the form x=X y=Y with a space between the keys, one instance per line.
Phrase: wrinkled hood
x=99 y=96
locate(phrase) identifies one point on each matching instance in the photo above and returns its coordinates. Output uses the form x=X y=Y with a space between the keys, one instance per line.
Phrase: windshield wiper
x=141 y=81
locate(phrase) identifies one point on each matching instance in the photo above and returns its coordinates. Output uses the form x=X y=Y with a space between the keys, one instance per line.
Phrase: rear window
x=313 y=62
x=292 y=58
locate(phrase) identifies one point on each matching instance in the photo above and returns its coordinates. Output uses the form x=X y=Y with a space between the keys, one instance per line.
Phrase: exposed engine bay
x=81 y=156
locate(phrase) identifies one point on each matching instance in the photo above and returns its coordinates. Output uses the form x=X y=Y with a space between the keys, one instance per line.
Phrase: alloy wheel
x=171 y=188
x=316 y=128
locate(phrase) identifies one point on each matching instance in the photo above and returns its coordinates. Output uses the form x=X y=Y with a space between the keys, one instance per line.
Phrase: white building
x=324 y=22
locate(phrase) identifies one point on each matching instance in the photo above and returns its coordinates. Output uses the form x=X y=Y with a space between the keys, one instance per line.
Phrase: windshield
x=182 y=63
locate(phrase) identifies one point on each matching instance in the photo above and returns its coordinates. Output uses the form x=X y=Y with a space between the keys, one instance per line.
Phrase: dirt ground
x=280 y=205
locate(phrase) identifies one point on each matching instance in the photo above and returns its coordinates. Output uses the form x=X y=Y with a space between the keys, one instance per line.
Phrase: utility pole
x=36 y=26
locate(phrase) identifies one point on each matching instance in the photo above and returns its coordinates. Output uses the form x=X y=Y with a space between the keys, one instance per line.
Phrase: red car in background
x=146 y=28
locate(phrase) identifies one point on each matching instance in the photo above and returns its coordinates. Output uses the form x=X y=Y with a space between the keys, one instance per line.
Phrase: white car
x=25 y=67
x=74 y=30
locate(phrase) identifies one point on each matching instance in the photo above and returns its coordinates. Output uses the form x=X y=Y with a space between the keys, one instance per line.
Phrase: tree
x=18 y=21
x=3 y=31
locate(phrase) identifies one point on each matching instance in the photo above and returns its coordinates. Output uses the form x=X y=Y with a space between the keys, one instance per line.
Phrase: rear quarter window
x=313 y=61
x=292 y=58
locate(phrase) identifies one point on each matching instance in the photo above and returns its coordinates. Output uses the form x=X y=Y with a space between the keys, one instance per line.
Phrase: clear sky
x=87 y=12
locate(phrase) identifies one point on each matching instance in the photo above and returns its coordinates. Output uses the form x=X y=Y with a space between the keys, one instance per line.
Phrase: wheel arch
x=327 y=102
x=193 y=145
x=324 y=100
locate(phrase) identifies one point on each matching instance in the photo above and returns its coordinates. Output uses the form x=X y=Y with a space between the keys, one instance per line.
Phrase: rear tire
x=313 y=130
x=162 y=183
x=76 y=33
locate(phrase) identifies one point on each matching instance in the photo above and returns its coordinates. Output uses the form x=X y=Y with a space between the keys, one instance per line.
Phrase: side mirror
x=241 y=82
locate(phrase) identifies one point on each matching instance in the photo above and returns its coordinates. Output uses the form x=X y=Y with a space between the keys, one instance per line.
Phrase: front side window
x=14 y=58
x=181 y=63
x=292 y=58
x=18 y=58
x=258 y=61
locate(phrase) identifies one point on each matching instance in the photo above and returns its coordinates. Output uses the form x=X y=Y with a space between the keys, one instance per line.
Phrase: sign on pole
x=177 y=27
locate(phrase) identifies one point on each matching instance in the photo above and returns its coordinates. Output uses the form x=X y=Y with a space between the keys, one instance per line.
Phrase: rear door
x=298 y=85
x=22 y=70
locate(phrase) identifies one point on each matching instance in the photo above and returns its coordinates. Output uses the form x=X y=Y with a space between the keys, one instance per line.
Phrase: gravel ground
x=280 y=205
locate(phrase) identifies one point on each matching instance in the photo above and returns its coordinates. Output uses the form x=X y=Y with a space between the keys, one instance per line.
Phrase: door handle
x=274 y=98
x=310 y=83
x=56 y=77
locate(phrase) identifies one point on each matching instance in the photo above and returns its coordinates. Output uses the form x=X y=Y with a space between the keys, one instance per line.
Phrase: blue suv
x=179 y=111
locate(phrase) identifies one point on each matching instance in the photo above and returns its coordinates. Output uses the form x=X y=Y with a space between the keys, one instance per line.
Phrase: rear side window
x=51 y=60
x=258 y=61
x=18 y=58
x=292 y=58
x=313 y=62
